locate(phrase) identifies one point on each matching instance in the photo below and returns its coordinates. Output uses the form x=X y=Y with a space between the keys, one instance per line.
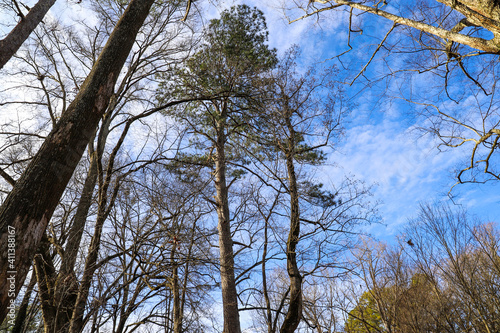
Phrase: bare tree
x=301 y=116
x=293 y=100
x=455 y=252
x=159 y=271
x=322 y=307
x=439 y=278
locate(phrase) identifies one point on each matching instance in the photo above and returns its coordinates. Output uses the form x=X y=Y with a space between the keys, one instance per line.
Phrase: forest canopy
x=203 y=166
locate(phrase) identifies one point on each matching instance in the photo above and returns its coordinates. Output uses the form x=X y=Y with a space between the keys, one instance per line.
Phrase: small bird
x=410 y=243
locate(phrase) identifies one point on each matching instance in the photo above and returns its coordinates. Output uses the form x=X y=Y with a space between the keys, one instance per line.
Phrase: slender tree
x=228 y=66
x=292 y=112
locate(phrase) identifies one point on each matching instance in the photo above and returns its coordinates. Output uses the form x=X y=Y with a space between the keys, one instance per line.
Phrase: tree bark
x=30 y=205
x=66 y=288
x=76 y=231
x=484 y=13
x=65 y=285
x=58 y=304
x=269 y=316
x=13 y=41
x=228 y=282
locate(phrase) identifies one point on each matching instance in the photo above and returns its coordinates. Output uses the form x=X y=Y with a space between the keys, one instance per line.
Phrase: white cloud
x=406 y=169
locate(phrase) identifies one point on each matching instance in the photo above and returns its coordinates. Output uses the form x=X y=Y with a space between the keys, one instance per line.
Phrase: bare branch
x=7 y=177
x=490 y=46
x=10 y=44
x=374 y=53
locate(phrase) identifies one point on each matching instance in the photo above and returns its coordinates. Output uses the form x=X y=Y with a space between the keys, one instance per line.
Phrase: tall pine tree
x=227 y=68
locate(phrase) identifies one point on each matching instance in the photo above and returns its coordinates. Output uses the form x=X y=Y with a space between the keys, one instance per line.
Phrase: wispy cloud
x=406 y=168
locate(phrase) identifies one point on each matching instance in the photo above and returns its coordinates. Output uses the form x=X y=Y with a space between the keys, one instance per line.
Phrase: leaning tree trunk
x=228 y=282
x=64 y=291
x=294 y=313
x=30 y=205
x=66 y=286
x=13 y=41
x=76 y=324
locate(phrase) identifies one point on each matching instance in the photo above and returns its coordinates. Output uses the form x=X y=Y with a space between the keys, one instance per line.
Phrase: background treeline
x=442 y=276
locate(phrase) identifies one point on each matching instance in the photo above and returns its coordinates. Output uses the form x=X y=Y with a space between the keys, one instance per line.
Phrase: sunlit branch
x=490 y=46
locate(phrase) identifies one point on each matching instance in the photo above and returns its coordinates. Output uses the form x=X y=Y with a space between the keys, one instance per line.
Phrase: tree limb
x=10 y=44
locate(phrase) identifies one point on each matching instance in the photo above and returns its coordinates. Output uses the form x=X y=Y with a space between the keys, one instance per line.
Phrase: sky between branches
x=381 y=145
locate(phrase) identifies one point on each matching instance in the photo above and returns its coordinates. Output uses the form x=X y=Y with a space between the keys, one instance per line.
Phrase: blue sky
x=382 y=144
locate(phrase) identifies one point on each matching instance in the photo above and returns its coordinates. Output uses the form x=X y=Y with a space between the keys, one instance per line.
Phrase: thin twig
x=394 y=25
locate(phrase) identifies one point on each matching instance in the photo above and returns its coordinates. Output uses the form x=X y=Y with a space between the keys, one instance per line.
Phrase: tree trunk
x=128 y=306
x=484 y=13
x=46 y=275
x=78 y=226
x=182 y=295
x=77 y=322
x=56 y=313
x=66 y=288
x=30 y=205
x=294 y=313
x=269 y=316
x=20 y=322
x=64 y=295
x=228 y=283
x=177 y=314
x=13 y=41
